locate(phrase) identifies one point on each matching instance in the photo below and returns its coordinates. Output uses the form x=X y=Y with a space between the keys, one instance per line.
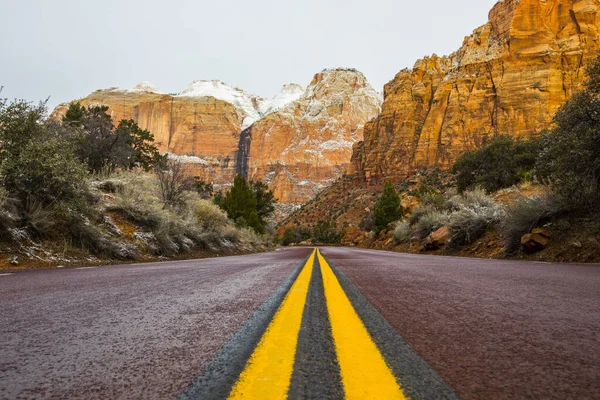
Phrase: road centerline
x=316 y=370
x=365 y=374
x=269 y=370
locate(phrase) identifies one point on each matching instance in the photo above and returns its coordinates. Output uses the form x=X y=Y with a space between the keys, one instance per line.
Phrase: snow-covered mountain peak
x=145 y=86
x=241 y=99
x=288 y=94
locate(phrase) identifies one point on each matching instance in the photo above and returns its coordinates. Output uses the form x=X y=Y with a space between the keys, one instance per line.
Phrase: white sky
x=66 y=49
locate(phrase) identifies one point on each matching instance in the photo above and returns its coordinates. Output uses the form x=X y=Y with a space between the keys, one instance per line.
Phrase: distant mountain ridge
x=203 y=124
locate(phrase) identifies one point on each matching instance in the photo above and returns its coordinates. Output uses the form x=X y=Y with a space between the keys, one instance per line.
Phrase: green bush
x=326 y=232
x=288 y=237
x=387 y=209
x=45 y=172
x=501 y=163
x=570 y=156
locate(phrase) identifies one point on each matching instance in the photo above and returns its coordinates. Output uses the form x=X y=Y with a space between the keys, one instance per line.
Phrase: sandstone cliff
x=299 y=141
x=509 y=77
x=202 y=131
x=306 y=145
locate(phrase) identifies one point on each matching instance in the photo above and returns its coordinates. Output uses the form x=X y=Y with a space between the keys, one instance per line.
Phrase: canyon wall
x=509 y=77
x=203 y=132
x=306 y=145
x=298 y=142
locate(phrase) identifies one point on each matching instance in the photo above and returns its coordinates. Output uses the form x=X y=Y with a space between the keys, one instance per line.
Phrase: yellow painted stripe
x=365 y=375
x=269 y=370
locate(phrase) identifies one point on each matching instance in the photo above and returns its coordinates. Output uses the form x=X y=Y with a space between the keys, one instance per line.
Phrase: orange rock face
x=509 y=77
x=305 y=146
x=298 y=142
x=203 y=131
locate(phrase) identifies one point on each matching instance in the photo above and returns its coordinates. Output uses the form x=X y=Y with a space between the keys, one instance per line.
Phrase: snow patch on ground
x=207 y=161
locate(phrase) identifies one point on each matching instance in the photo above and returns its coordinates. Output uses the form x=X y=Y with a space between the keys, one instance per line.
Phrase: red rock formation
x=301 y=143
x=509 y=77
x=204 y=131
x=305 y=146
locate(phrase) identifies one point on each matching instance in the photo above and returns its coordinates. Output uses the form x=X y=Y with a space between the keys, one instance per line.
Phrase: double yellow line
x=364 y=372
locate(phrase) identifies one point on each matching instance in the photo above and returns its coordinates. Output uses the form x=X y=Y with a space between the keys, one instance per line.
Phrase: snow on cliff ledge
x=289 y=93
x=242 y=100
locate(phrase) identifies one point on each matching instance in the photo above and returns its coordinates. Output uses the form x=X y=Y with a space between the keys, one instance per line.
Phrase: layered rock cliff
x=509 y=77
x=201 y=130
x=299 y=141
x=307 y=144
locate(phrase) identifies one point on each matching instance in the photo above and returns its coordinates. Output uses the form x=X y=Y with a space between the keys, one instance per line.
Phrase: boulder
x=533 y=242
x=542 y=232
x=437 y=239
x=409 y=203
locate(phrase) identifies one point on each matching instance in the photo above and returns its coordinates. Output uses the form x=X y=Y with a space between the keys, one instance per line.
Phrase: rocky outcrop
x=202 y=131
x=509 y=77
x=307 y=144
x=299 y=141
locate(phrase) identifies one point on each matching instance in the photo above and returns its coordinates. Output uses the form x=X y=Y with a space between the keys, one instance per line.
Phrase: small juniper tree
x=388 y=208
x=240 y=205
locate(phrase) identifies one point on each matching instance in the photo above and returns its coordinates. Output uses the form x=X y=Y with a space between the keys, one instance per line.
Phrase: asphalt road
x=492 y=329
x=440 y=327
x=132 y=331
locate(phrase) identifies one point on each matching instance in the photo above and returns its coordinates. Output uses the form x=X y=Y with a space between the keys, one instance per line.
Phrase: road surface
x=339 y=323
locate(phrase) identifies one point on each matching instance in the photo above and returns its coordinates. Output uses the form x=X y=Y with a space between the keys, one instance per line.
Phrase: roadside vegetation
x=85 y=189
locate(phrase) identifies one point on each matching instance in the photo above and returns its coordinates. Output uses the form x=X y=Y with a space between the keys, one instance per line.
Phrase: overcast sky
x=66 y=49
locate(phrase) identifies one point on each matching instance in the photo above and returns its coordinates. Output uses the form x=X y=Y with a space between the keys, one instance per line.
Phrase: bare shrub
x=402 y=232
x=525 y=214
x=195 y=222
x=430 y=221
x=8 y=214
x=173 y=182
x=38 y=219
x=86 y=234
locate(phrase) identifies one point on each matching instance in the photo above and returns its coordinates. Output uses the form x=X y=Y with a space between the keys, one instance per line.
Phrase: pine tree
x=388 y=208
x=264 y=200
x=75 y=114
x=240 y=204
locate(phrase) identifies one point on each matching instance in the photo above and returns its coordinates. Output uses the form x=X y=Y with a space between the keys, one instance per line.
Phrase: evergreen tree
x=240 y=204
x=75 y=114
x=264 y=200
x=502 y=162
x=388 y=208
x=101 y=145
x=138 y=150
